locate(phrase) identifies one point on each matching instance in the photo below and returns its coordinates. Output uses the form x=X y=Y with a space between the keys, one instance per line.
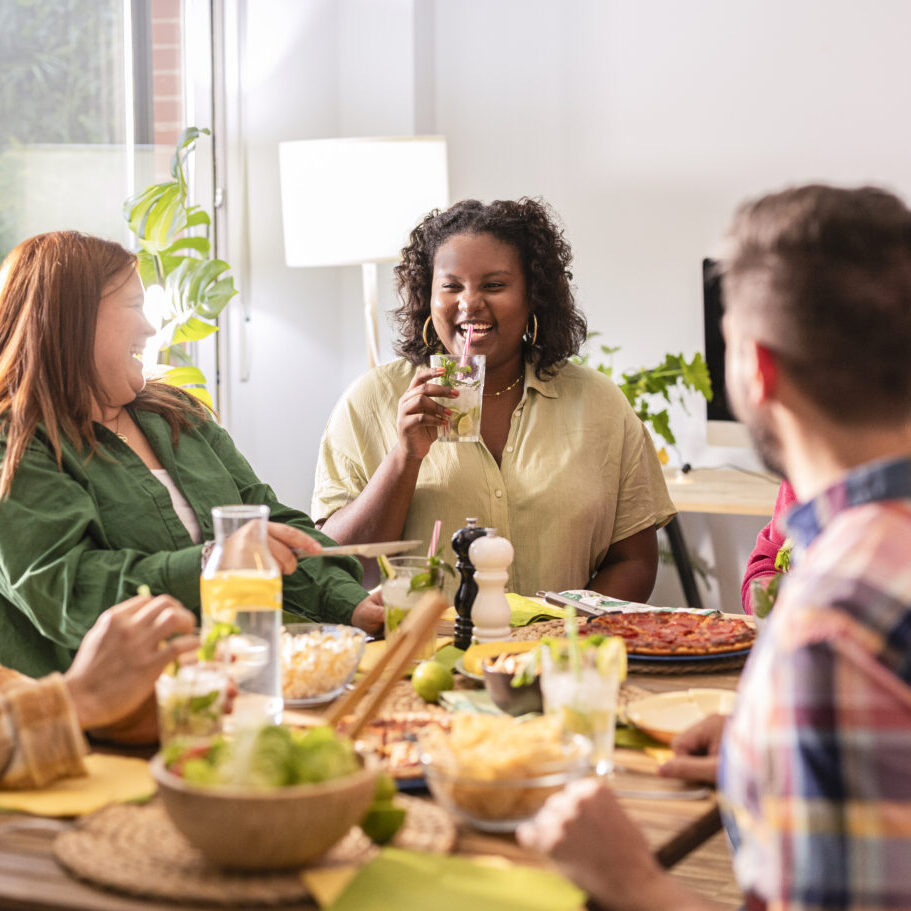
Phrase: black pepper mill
x=468 y=588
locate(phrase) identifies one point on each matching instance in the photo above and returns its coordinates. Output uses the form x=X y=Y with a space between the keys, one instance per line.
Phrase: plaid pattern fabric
x=40 y=739
x=816 y=762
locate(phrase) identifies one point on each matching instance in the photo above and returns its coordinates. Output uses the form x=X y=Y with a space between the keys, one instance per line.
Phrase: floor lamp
x=354 y=201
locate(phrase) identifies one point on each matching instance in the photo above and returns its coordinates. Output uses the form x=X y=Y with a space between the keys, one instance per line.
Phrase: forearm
x=380 y=510
x=656 y=892
x=631 y=580
x=629 y=569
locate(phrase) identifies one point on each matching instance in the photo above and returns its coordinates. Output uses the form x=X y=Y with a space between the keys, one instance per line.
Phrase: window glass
x=91 y=103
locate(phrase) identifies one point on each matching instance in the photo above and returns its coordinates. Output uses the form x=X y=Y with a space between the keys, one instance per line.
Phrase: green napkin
x=634 y=739
x=525 y=611
x=447 y=656
x=409 y=881
x=477 y=702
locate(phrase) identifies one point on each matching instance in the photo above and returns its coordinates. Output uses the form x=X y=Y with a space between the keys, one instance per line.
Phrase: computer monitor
x=722 y=428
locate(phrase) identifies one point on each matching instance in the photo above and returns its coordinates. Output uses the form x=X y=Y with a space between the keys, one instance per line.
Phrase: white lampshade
x=354 y=201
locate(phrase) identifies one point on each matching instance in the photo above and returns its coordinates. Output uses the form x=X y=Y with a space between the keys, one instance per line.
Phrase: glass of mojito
x=409 y=578
x=465 y=423
x=583 y=688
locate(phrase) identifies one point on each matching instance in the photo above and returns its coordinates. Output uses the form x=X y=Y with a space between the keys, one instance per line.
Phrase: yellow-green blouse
x=579 y=471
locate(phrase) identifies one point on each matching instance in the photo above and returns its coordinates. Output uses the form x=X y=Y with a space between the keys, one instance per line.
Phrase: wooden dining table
x=30 y=877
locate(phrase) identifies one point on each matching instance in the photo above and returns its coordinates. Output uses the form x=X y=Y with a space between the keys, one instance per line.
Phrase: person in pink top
x=761 y=564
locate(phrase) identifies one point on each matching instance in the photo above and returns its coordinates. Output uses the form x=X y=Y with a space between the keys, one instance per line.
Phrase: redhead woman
x=565 y=469
x=107 y=483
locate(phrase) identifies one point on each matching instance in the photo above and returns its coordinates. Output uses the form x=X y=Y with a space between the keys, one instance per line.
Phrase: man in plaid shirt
x=815 y=765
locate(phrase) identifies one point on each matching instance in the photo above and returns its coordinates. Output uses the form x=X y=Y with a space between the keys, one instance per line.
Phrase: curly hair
x=532 y=228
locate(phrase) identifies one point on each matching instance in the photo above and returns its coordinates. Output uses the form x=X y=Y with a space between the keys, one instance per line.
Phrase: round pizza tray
x=136 y=850
x=650 y=664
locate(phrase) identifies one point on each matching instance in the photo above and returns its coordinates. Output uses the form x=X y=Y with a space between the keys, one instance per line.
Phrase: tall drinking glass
x=464 y=425
x=241 y=585
x=191 y=701
x=585 y=695
x=412 y=578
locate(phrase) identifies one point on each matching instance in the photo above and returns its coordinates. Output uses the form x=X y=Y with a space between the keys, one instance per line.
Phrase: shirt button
x=498 y=492
x=509 y=448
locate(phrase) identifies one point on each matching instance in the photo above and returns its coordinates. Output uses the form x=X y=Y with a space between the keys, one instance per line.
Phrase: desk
x=31 y=880
x=725 y=491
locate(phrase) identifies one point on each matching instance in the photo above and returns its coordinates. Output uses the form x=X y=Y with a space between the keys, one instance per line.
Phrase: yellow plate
x=668 y=714
x=474 y=658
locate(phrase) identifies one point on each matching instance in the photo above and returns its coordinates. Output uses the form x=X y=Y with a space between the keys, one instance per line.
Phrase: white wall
x=642 y=121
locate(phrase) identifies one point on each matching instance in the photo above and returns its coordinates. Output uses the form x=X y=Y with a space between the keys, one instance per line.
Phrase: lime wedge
x=465 y=427
x=611 y=657
x=385 y=567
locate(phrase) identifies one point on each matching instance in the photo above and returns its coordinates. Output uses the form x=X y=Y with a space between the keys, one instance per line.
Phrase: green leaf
x=203 y=394
x=661 y=424
x=183 y=376
x=192 y=331
x=200 y=244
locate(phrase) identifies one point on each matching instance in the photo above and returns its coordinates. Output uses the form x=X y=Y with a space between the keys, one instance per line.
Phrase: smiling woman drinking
x=107 y=483
x=564 y=468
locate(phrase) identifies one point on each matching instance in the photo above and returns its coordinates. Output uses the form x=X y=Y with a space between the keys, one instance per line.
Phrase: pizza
x=675 y=632
x=394 y=740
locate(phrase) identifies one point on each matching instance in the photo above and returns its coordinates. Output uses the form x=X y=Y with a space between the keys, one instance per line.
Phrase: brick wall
x=167 y=78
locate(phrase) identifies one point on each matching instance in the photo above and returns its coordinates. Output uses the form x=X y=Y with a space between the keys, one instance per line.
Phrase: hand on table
x=696 y=751
x=114 y=671
x=368 y=615
x=595 y=844
x=419 y=415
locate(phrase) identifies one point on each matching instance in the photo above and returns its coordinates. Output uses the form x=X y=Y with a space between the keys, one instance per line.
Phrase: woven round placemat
x=554 y=628
x=136 y=850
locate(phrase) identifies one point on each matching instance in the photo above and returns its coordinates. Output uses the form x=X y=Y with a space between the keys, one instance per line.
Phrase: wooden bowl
x=247 y=829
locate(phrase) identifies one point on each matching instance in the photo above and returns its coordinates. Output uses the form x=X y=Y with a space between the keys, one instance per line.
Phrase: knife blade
x=381 y=548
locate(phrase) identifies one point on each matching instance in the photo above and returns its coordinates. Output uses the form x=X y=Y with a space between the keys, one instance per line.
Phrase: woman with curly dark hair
x=564 y=468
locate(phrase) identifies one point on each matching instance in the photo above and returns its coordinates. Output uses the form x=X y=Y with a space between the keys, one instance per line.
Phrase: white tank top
x=180 y=504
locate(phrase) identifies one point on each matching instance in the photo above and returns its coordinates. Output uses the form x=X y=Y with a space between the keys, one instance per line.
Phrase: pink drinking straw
x=434 y=538
x=463 y=360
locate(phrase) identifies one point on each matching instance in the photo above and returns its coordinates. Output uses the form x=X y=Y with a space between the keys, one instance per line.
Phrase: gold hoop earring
x=534 y=331
x=424 y=333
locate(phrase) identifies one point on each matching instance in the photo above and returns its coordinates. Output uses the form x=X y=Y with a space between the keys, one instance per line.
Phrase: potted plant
x=176 y=255
x=650 y=390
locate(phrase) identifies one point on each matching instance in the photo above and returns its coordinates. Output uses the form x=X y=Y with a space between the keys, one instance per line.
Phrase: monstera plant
x=175 y=254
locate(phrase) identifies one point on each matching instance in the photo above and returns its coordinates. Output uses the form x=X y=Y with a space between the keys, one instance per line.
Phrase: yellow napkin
x=374 y=651
x=111 y=779
x=411 y=881
x=529 y=610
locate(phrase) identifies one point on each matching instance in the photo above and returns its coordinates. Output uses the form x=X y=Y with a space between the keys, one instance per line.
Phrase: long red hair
x=50 y=289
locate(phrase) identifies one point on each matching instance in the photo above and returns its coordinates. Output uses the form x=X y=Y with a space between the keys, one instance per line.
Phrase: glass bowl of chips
x=495 y=772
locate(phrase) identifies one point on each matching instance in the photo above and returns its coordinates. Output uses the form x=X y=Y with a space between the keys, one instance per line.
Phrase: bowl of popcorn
x=318 y=661
x=495 y=772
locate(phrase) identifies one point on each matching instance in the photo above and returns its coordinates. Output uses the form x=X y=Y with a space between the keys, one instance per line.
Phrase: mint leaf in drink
x=218 y=632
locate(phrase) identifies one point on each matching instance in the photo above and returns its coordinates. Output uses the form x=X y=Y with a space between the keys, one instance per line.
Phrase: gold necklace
x=512 y=385
x=120 y=436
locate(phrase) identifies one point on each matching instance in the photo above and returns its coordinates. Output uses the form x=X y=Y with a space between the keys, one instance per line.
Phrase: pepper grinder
x=490 y=614
x=468 y=588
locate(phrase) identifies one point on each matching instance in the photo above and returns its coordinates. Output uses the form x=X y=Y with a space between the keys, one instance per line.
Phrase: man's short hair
x=823 y=275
